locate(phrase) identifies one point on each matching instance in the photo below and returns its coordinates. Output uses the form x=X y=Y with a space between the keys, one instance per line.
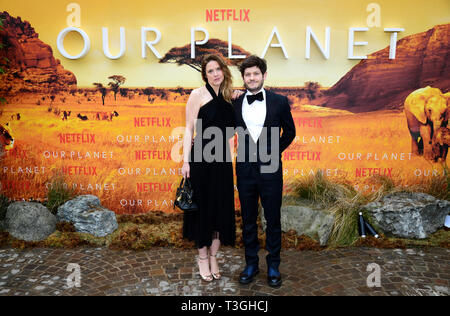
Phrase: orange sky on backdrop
x=175 y=18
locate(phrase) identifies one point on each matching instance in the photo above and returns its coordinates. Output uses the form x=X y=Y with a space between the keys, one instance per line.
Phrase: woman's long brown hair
x=227 y=85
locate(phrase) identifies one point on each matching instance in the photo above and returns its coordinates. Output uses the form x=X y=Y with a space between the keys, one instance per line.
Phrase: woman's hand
x=236 y=94
x=186 y=170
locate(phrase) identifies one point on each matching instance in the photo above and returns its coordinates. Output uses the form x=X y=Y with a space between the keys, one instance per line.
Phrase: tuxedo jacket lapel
x=269 y=102
x=240 y=117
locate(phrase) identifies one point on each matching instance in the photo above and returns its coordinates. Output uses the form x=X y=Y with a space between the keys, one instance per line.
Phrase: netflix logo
x=154 y=187
x=301 y=155
x=152 y=122
x=308 y=122
x=218 y=15
x=152 y=155
x=68 y=138
x=369 y=172
x=79 y=170
x=17 y=154
x=24 y=186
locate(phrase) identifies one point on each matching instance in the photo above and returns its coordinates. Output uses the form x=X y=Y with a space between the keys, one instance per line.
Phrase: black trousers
x=252 y=186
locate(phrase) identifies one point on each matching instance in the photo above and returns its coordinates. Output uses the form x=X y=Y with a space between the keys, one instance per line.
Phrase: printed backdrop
x=107 y=122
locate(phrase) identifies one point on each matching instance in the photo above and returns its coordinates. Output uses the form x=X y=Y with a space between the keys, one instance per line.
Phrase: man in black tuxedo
x=260 y=115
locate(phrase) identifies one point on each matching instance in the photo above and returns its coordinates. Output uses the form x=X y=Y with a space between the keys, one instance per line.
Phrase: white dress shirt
x=254 y=115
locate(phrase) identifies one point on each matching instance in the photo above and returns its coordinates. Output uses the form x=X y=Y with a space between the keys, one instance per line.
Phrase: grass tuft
x=58 y=194
x=4 y=203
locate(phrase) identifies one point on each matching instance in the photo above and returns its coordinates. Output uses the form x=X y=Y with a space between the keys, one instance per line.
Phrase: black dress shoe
x=274 y=277
x=274 y=281
x=248 y=274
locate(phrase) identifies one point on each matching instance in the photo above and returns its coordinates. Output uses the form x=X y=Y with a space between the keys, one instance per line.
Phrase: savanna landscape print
x=383 y=118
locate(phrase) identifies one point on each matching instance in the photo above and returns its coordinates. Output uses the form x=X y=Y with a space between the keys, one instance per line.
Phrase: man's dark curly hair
x=252 y=61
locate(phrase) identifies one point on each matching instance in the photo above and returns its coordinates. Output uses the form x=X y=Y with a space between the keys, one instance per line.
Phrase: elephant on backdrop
x=441 y=142
x=426 y=111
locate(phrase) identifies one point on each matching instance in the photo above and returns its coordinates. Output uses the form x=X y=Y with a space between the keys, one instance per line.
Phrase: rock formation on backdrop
x=379 y=83
x=31 y=66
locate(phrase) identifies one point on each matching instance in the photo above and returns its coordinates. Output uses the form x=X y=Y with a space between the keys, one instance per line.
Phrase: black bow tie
x=252 y=98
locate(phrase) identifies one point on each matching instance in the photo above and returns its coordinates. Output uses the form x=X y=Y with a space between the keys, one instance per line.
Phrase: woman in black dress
x=212 y=180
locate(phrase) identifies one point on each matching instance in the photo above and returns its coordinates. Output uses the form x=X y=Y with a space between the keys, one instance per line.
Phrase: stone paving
x=164 y=271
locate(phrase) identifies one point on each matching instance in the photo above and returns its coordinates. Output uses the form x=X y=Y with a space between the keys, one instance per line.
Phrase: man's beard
x=256 y=89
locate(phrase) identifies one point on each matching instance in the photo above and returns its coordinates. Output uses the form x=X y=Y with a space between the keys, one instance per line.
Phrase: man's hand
x=236 y=94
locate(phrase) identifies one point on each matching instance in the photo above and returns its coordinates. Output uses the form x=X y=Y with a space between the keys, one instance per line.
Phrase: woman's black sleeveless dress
x=212 y=182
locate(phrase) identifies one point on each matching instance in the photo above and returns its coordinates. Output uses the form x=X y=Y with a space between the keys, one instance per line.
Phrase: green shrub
x=439 y=187
x=4 y=203
x=337 y=198
x=322 y=191
x=58 y=194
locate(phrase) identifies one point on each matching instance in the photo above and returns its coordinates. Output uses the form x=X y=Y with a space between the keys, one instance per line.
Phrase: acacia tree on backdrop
x=123 y=92
x=182 y=55
x=180 y=90
x=115 y=84
x=103 y=90
x=312 y=89
x=148 y=92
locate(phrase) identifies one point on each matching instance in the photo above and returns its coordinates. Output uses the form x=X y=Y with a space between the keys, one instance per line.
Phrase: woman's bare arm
x=192 y=108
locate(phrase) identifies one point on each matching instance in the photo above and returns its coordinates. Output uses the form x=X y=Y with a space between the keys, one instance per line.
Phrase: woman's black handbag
x=183 y=199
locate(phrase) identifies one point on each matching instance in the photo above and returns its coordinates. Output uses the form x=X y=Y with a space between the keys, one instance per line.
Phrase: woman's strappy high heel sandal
x=216 y=275
x=207 y=278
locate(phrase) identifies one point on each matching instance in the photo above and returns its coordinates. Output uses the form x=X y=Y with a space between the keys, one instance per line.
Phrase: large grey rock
x=409 y=215
x=29 y=221
x=305 y=220
x=88 y=216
